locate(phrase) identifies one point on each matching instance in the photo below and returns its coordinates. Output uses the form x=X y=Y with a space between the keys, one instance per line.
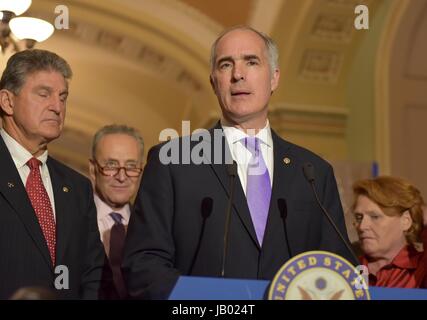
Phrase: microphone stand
x=308 y=169
x=232 y=172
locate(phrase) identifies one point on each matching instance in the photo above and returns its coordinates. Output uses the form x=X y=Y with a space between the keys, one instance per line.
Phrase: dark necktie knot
x=117 y=217
x=117 y=238
x=33 y=163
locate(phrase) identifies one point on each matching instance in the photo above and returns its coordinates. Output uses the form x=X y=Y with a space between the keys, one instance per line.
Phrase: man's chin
x=52 y=132
x=244 y=114
x=118 y=203
x=49 y=138
x=119 y=200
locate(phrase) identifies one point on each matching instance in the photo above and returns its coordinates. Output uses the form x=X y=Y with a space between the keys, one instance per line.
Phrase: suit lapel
x=284 y=173
x=63 y=208
x=239 y=200
x=284 y=168
x=15 y=194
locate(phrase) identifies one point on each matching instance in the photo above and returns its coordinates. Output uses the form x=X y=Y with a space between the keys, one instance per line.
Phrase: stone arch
x=401 y=95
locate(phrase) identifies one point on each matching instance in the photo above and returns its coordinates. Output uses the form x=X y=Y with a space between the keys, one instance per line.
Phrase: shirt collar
x=407 y=258
x=19 y=154
x=104 y=210
x=235 y=135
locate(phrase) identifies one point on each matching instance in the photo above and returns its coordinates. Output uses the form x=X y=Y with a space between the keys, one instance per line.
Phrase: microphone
x=232 y=173
x=206 y=209
x=308 y=170
x=283 y=209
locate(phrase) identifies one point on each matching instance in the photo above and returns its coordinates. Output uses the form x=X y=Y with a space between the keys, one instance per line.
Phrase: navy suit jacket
x=24 y=255
x=171 y=234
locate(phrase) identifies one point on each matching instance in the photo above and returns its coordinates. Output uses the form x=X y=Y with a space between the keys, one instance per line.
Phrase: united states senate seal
x=318 y=275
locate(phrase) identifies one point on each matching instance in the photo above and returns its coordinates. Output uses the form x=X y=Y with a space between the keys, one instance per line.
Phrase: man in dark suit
x=180 y=218
x=48 y=231
x=115 y=170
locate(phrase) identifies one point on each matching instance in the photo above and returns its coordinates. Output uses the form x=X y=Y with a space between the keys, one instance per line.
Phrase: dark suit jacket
x=24 y=256
x=111 y=291
x=164 y=231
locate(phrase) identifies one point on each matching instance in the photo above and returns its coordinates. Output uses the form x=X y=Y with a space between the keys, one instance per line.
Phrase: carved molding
x=306 y=118
x=320 y=66
x=154 y=61
x=130 y=48
x=333 y=27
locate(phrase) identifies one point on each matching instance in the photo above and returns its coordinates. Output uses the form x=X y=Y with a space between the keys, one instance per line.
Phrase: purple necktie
x=258 y=188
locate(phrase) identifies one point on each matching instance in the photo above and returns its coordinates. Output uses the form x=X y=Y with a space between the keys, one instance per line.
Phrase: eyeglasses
x=111 y=170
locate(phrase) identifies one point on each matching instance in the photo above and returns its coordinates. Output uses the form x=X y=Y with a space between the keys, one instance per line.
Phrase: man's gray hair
x=117 y=129
x=271 y=46
x=24 y=63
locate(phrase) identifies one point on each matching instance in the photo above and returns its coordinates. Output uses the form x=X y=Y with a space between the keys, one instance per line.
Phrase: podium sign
x=312 y=275
x=200 y=288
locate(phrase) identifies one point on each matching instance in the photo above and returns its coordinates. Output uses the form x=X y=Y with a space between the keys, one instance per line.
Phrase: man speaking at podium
x=185 y=222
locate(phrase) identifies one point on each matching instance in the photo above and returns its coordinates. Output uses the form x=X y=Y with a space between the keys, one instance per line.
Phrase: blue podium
x=200 y=288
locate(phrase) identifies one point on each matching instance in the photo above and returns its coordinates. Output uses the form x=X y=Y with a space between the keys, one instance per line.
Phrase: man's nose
x=121 y=175
x=55 y=103
x=238 y=72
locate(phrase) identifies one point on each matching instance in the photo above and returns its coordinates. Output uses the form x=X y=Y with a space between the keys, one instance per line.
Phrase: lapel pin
x=286 y=160
x=65 y=189
x=10 y=185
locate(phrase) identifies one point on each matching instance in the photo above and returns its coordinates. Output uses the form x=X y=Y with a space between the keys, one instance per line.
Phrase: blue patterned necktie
x=258 y=188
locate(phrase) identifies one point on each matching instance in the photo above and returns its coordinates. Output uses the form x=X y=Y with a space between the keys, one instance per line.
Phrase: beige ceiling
x=225 y=12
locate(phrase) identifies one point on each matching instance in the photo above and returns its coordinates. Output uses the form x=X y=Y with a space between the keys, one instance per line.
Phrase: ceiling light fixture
x=20 y=33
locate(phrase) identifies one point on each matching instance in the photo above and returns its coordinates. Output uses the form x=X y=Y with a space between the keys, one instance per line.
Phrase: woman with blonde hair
x=388 y=215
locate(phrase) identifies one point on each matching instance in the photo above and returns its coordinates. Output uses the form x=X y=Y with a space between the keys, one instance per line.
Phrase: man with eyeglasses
x=115 y=171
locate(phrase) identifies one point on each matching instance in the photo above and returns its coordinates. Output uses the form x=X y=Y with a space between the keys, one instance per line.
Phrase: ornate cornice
x=309 y=118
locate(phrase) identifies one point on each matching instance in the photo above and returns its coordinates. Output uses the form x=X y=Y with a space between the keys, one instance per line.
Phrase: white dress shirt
x=106 y=222
x=242 y=155
x=20 y=157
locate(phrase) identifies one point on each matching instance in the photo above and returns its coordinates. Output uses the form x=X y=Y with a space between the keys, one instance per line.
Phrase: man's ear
x=6 y=101
x=92 y=171
x=211 y=80
x=406 y=221
x=275 y=77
